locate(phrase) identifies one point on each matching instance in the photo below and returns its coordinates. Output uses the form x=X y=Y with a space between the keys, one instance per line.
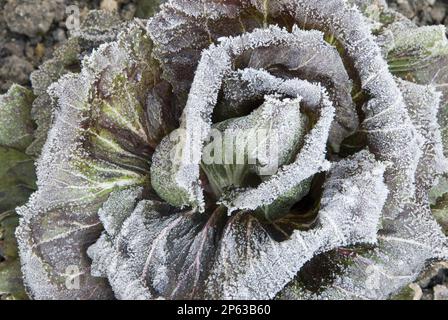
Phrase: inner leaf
x=249 y=149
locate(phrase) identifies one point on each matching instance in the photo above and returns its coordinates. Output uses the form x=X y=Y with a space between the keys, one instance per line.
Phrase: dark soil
x=30 y=30
x=423 y=12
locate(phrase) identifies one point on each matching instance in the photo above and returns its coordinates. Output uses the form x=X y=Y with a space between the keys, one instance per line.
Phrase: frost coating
x=423 y=103
x=250 y=83
x=98 y=27
x=142 y=261
x=309 y=161
x=350 y=214
x=280 y=127
x=76 y=171
x=151 y=249
x=347 y=25
x=406 y=242
x=203 y=97
x=397 y=260
x=390 y=131
x=417 y=54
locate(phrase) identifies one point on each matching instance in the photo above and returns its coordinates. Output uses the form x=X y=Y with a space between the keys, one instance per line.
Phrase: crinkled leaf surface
x=391 y=133
x=406 y=242
x=397 y=261
x=335 y=18
x=158 y=252
x=221 y=59
x=98 y=27
x=417 y=54
x=100 y=140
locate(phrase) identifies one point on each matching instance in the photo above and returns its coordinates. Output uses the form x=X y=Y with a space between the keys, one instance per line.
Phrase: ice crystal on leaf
x=161 y=253
x=98 y=142
x=97 y=27
x=356 y=101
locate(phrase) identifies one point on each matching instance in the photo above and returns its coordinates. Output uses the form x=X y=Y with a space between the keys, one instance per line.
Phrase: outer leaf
x=102 y=112
x=423 y=58
x=379 y=16
x=408 y=241
x=417 y=54
x=161 y=253
x=16 y=126
x=398 y=260
x=17 y=182
x=11 y=286
x=17 y=178
x=97 y=27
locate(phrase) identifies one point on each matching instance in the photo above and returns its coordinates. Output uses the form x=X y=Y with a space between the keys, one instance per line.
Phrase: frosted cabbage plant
x=357 y=94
